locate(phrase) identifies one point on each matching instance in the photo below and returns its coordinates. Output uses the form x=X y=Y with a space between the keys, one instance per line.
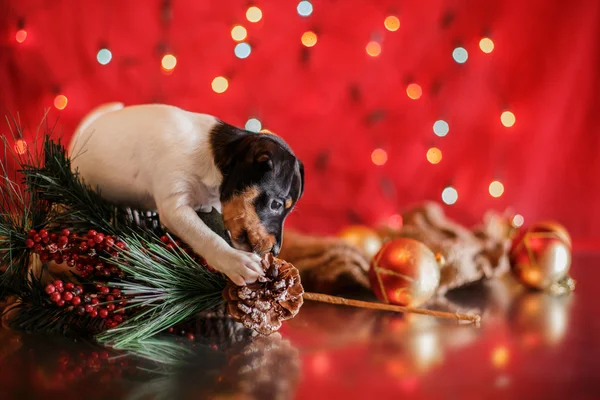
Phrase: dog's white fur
x=158 y=157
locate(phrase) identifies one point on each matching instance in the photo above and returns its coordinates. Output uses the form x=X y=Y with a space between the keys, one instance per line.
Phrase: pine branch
x=166 y=284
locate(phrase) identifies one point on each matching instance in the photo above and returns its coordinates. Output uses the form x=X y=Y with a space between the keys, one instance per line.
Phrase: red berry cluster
x=104 y=303
x=79 y=251
x=72 y=366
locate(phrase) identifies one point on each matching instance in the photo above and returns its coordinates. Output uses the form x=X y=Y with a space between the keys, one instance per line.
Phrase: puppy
x=165 y=159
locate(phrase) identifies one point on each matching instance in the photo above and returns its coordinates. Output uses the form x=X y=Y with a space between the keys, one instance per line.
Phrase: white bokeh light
x=449 y=195
x=104 y=56
x=242 y=50
x=253 y=125
x=305 y=8
x=460 y=55
x=441 y=128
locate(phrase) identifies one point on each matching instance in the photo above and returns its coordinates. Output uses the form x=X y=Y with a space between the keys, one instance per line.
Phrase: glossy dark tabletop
x=530 y=345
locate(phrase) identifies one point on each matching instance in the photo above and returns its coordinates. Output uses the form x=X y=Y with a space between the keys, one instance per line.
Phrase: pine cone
x=264 y=304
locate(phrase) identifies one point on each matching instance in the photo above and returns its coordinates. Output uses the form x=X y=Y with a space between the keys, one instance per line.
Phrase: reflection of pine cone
x=267 y=368
x=273 y=298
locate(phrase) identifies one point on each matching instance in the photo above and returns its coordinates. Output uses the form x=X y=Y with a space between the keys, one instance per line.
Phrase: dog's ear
x=301 y=168
x=264 y=159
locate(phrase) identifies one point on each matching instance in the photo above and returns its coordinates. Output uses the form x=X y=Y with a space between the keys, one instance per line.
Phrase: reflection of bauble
x=362 y=237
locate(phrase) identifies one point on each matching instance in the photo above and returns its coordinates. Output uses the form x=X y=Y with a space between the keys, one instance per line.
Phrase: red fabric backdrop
x=335 y=104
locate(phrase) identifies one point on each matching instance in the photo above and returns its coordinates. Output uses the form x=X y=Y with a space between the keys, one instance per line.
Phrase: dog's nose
x=275 y=250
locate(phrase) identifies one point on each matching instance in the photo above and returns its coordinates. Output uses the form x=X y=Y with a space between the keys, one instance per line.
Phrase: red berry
x=69 y=286
x=164 y=239
x=170 y=330
x=67 y=296
x=110 y=298
x=170 y=246
x=95 y=301
x=75 y=257
x=57 y=257
x=80 y=310
x=83 y=246
x=89 y=308
x=65 y=232
x=53 y=237
x=63 y=241
x=110 y=307
x=103 y=313
x=29 y=243
x=55 y=297
x=104 y=290
x=91 y=234
x=121 y=245
x=58 y=283
x=31 y=233
x=50 y=288
x=43 y=233
x=99 y=238
x=44 y=256
x=191 y=337
x=46 y=240
x=60 y=303
x=89 y=269
x=76 y=300
x=37 y=238
x=38 y=247
x=94 y=314
x=79 y=267
x=71 y=263
x=91 y=242
x=118 y=318
x=110 y=242
x=116 y=292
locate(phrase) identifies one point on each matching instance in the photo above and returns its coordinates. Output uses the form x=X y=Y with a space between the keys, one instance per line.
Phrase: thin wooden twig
x=325 y=298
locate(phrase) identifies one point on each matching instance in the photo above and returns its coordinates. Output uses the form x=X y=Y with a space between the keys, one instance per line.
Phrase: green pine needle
x=167 y=285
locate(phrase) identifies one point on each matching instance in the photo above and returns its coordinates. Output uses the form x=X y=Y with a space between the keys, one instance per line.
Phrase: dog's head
x=262 y=182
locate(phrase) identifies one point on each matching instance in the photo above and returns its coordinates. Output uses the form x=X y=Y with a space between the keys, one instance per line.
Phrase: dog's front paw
x=239 y=266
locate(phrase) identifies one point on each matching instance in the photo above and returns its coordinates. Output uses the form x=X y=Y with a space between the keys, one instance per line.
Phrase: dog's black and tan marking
x=262 y=181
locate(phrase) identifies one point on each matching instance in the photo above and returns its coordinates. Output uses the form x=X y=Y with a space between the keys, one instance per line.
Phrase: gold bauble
x=404 y=272
x=363 y=237
x=552 y=227
x=540 y=259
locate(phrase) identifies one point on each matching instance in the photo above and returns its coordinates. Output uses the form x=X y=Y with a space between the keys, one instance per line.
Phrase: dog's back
x=125 y=150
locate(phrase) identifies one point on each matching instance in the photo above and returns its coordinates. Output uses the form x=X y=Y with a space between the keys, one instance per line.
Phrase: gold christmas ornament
x=552 y=227
x=362 y=237
x=404 y=272
x=540 y=259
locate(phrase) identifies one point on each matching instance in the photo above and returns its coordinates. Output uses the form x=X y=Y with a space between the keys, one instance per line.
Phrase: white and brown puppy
x=163 y=158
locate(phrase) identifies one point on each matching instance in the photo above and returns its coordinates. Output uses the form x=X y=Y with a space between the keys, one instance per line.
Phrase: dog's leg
x=179 y=217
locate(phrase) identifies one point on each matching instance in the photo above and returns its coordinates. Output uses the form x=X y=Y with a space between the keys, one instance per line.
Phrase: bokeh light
x=373 y=48
x=309 y=39
x=253 y=125
x=60 y=101
x=486 y=45
x=219 y=84
x=441 y=128
x=379 y=157
x=496 y=189
x=449 y=195
x=238 y=33
x=508 y=119
x=395 y=221
x=168 y=62
x=414 y=91
x=500 y=356
x=104 y=56
x=242 y=50
x=305 y=8
x=21 y=35
x=460 y=55
x=392 y=23
x=20 y=146
x=434 y=155
x=517 y=221
x=254 y=14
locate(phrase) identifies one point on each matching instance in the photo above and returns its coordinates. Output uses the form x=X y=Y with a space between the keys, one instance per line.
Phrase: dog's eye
x=276 y=205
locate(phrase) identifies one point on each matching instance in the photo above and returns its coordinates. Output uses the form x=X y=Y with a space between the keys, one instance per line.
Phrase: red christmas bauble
x=404 y=272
